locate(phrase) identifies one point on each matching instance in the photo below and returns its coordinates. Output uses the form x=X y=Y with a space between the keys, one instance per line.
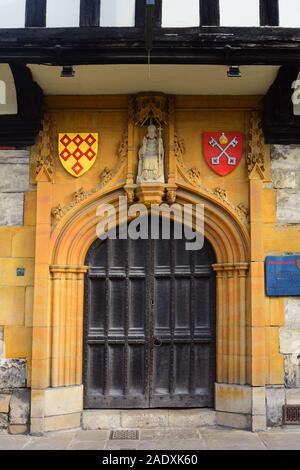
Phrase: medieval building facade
x=158 y=101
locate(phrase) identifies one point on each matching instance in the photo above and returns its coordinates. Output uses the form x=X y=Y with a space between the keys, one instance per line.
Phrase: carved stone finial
x=255 y=157
x=43 y=150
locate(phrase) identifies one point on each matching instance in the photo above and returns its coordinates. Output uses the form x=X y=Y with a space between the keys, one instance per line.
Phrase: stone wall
x=17 y=240
x=14 y=182
x=14 y=396
x=17 y=250
x=285 y=168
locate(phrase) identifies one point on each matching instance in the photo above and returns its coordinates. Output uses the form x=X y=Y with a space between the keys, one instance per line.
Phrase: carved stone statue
x=151 y=158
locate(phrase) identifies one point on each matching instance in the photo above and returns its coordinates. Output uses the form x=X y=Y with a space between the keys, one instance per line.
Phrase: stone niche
x=14 y=397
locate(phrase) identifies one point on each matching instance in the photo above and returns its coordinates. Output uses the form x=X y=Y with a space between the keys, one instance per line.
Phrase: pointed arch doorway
x=149 y=333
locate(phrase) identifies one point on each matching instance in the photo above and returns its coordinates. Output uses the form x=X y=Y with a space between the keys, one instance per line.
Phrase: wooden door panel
x=116 y=330
x=184 y=328
x=149 y=325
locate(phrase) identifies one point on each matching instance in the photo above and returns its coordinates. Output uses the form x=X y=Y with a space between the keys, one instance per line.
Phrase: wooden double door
x=149 y=338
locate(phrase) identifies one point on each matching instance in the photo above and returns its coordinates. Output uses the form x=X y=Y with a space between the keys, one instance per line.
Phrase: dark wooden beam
x=90 y=13
x=20 y=130
x=139 y=13
x=204 y=45
x=35 y=13
x=269 y=12
x=209 y=12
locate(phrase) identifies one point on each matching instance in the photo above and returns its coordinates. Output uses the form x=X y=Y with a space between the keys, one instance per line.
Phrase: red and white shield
x=223 y=151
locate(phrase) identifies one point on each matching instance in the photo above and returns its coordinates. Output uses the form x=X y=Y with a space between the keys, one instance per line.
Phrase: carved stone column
x=67 y=286
x=231 y=324
x=239 y=404
x=256 y=169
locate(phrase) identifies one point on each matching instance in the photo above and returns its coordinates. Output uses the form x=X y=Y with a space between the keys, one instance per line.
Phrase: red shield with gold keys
x=223 y=151
x=78 y=152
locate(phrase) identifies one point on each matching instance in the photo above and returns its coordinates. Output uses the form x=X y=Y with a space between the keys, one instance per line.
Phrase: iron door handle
x=157 y=342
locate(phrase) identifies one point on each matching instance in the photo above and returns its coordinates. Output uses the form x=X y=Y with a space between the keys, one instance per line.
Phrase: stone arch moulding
x=63 y=307
x=76 y=232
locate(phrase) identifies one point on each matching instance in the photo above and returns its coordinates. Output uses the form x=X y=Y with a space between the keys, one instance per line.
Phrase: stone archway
x=63 y=305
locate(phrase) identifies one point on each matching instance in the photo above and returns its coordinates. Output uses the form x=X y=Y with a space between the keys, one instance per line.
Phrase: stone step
x=141 y=419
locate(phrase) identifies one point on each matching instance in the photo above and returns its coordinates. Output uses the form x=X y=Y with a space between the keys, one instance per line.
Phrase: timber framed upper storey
x=91 y=43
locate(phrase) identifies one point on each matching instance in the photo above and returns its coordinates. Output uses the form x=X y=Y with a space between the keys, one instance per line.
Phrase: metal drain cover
x=124 y=435
x=291 y=414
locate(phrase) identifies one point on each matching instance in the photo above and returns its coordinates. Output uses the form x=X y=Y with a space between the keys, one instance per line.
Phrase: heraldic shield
x=223 y=151
x=78 y=152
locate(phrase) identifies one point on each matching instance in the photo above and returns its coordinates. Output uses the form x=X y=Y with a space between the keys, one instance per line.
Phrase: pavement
x=210 y=438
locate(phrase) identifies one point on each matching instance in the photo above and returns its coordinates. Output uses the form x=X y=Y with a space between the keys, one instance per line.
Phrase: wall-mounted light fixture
x=67 y=71
x=234 y=72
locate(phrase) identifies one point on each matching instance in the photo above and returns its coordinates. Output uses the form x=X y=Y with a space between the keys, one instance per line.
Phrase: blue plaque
x=283 y=275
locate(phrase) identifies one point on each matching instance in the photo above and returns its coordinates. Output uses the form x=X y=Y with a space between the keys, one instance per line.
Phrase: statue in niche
x=151 y=157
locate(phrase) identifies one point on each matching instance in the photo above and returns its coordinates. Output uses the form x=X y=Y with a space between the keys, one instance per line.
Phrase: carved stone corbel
x=171 y=194
x=130 y=193
x=150 y=193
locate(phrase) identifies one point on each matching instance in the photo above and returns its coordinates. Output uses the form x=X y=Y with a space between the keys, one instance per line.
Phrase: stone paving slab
x=281 y=440
x=232 y=440
x=92 y=435
x=49 y=443
x=87 y=445
x=13 y=442
x=210 y=438
x=173 y=444
x=159 y=434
